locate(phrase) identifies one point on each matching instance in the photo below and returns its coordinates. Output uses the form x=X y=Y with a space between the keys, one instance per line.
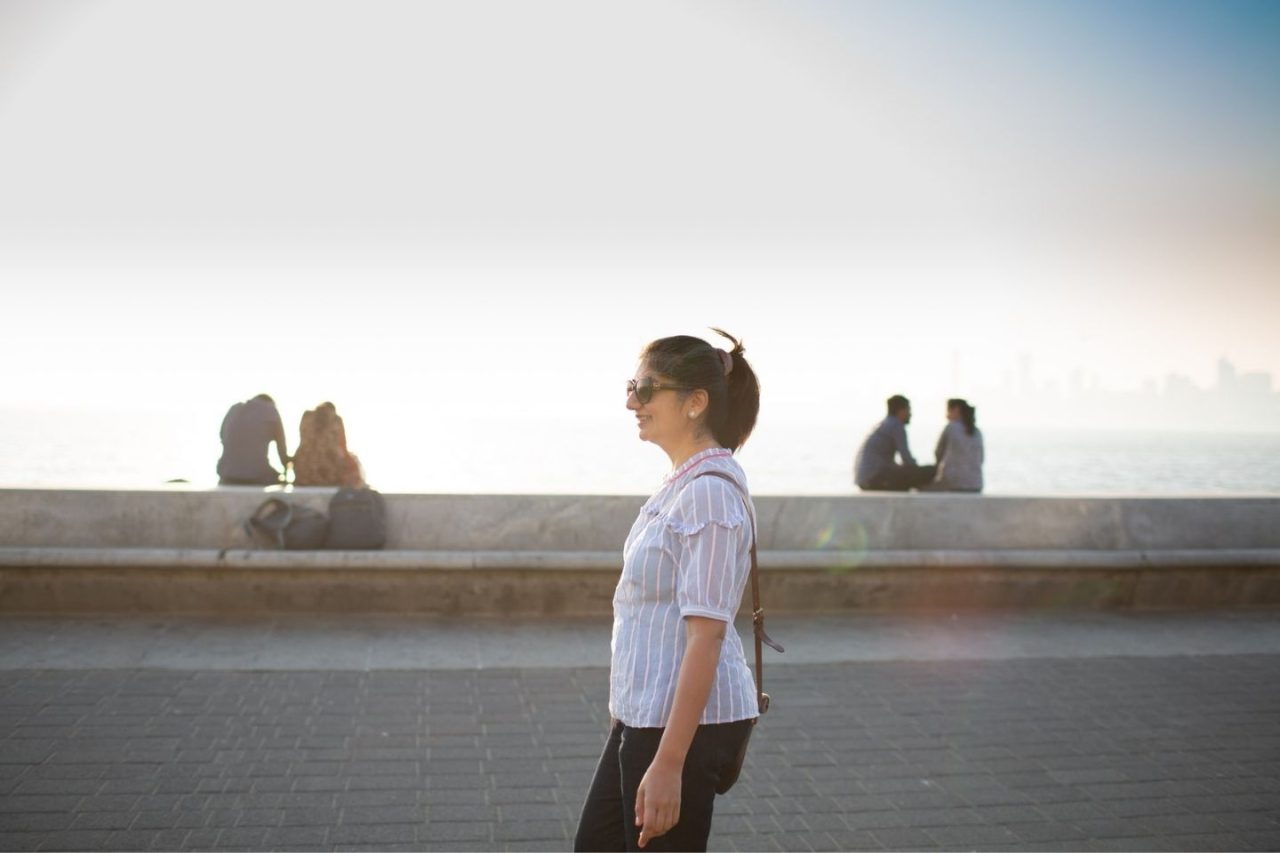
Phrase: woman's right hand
x=658 y=800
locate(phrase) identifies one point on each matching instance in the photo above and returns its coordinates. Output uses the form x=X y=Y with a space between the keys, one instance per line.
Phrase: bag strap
x=757 y=612
x=262 y=519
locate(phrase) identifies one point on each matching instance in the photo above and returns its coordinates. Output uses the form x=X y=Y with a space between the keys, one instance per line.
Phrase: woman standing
x=681 y=695
x=960 y=452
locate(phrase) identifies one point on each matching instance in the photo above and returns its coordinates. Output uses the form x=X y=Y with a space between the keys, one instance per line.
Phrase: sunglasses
x=644 y=389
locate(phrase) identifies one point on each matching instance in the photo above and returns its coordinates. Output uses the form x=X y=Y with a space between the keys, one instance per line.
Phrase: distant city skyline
x=1236 y=400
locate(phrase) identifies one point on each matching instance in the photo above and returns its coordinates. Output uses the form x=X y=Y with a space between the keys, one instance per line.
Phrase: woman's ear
x=697 y=402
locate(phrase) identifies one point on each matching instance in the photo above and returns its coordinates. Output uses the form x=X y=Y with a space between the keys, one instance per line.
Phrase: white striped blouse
x=688 y=554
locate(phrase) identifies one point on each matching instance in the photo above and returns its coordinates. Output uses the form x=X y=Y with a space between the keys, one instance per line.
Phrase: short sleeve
x=710 y=522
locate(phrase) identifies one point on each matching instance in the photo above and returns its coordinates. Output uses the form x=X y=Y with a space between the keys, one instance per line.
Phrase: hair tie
x=727 y=360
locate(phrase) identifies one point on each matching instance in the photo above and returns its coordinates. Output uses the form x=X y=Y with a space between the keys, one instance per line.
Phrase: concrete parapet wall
x=917 y=522
x=185 y=551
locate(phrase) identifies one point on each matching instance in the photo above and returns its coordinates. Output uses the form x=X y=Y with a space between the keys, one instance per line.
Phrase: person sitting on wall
x=247 y=432
x=322 y=458
x=960 y=452
x=875 y=468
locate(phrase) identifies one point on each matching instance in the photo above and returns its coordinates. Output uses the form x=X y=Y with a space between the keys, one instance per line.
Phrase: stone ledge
x=547 y=523
x=407 y=560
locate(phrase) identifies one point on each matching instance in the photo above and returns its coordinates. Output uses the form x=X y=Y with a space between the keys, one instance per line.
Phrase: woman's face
x=953 y=413
x=663 y=420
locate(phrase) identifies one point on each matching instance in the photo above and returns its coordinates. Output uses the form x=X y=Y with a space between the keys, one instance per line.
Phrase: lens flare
x=849 y=539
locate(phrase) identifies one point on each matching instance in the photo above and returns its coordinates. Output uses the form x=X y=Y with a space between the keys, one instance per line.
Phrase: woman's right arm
x=659 y=793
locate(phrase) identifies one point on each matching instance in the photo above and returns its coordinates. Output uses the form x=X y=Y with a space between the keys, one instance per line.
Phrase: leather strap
x=757 y=612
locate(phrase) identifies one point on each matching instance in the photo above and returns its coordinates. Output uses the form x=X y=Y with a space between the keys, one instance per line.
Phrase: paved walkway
x=1097 y=731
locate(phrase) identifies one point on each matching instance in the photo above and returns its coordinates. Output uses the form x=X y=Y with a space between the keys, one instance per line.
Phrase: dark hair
x=897 y=403
x=733 y=400
x=968 y=414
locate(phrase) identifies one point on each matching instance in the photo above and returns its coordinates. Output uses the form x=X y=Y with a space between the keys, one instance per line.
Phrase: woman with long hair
x=960 y=451
x=322 y=458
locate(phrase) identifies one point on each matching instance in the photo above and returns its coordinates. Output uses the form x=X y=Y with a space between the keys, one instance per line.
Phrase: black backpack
x=357 y=520
x=288 y=526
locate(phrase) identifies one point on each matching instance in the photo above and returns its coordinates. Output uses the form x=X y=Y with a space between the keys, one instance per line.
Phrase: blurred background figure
x=247 y=432
x=875 y=468
x=322 y=458
x=960 y=452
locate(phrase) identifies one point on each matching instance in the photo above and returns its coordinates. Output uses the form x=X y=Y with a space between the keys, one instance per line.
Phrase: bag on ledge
x=357 y=520
x=291 y=527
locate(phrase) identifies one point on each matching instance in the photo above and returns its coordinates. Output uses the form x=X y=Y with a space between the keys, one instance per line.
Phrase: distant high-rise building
x=1254 y=384
x=1226 y=375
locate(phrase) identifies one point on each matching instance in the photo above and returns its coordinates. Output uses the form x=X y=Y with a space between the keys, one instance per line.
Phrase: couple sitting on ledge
x=322 y=458
x=959 y=453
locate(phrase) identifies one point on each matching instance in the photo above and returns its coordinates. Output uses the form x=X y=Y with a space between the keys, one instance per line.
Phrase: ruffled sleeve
x=711 y=524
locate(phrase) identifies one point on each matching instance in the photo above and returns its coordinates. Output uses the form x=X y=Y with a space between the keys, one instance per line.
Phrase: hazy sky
x=487 y=208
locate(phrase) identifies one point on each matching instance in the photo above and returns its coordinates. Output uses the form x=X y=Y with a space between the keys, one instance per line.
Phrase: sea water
x=82 y=449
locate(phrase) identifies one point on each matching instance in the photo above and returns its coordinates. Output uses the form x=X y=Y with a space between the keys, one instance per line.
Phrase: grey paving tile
x=373 y=836
x=1143 y=808
x=21 y=840
x=891 y=819
x=35 y=821
x=1251 y=840
x=298 y=837
x=67 y=787
x=1037 y=834
x=1207 y=841
x=1251 y=821
x=904 y=839
x=383 y=815
x=308 y=816
x=827 y=822
x=128 y=840
x=251 y=837
x=521 y=831
x=149 y=819
x=103 y=820
x=169 y=839
x=201 y=839
x=75 y=839
x=455 y=831
x=845 y=840
x=1183 y=824
x=35 y=804
x=972 y=837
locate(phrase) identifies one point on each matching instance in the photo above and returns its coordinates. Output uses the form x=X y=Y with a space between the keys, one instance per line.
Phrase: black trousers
x=900 y=478
x=608 y=820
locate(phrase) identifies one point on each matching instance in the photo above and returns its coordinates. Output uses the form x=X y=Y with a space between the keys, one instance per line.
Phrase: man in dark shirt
x=247 y=431
x=875 y=469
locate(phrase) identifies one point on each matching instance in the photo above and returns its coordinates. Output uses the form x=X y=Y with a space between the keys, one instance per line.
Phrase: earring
x=693 y=414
